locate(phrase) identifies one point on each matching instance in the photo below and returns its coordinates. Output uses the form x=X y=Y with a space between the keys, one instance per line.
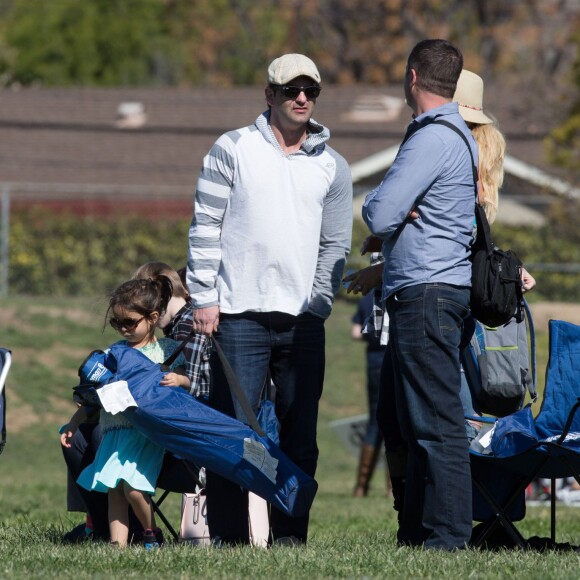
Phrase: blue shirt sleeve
x=419 y=162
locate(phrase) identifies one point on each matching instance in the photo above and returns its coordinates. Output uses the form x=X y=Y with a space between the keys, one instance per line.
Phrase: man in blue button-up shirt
x=424 y=212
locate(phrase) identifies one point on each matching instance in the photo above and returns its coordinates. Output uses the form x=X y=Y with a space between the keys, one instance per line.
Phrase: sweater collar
x=317 y=134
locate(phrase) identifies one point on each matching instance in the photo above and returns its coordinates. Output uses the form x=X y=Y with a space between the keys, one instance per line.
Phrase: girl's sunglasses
x=291 y=91
x=128 y=324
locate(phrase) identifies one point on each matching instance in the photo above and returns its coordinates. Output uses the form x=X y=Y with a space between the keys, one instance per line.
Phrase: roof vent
x=130 y=115
x=373 y=109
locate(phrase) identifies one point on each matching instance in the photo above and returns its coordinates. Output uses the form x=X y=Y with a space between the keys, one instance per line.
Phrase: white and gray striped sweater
x=270 y=231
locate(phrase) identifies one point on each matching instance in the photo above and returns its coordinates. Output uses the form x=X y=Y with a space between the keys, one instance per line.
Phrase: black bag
x=496 y=283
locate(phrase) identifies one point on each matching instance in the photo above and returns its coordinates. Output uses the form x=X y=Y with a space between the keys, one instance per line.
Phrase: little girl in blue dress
x=127 y=463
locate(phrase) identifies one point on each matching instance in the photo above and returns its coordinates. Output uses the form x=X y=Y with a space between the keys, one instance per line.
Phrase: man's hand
x=364 y=280
x=206 y=320
x=371 y=244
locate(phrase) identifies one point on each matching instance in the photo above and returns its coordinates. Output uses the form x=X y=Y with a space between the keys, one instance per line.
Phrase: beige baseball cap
x=290 y=66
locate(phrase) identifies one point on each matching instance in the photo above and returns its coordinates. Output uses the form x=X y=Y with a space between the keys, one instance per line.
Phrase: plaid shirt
x=197 y=351
x=378 y=322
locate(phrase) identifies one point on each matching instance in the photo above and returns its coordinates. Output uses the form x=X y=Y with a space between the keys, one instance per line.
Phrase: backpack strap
x=171 y=359
x=532 y=387
x=473 y=166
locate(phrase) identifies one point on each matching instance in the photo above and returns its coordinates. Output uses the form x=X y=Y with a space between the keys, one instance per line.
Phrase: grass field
x=348 y=538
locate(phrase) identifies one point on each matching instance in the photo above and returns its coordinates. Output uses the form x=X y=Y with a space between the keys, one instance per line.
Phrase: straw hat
x=469 y=96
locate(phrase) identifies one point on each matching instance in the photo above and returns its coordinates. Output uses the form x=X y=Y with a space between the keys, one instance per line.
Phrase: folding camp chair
x=524 y=448
x=5 y=363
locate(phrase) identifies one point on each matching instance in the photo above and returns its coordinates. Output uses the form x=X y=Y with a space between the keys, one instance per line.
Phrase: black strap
x=238 y=392
x=233 y=382
x=460 y=133
x=167 y=363
x=483 y=230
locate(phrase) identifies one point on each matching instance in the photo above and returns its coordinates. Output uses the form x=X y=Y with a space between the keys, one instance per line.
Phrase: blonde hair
x=153 y=270
x=491 y=144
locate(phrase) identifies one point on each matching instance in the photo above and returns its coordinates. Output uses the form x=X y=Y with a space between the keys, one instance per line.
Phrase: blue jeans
x=426 y=328
x=292 y=350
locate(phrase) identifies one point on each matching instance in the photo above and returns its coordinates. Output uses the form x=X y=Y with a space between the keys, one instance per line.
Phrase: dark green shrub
x=63 y=254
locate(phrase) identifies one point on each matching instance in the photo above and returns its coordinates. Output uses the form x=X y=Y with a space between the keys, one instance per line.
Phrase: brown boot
x=367 y=461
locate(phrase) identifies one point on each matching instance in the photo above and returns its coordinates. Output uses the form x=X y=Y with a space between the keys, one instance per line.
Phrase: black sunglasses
x=291 y=91
x=129 y=324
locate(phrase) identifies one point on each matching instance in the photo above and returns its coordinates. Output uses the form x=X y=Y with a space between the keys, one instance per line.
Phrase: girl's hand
x=67 y=434
x=169 y=380
x=175 y=380
x=528 y=281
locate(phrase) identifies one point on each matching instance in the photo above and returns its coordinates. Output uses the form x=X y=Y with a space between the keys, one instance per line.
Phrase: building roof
x=59 y=140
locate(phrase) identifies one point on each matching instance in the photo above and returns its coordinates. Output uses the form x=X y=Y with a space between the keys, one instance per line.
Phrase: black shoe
x=77 y=535
x=159 y=536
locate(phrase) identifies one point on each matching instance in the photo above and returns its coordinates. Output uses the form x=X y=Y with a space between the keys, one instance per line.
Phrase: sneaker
x=159 y=536
x=149 y=540
x=569 y=496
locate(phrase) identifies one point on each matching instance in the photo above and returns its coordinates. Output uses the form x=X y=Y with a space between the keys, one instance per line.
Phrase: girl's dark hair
x=438 y=64
x=144 y=296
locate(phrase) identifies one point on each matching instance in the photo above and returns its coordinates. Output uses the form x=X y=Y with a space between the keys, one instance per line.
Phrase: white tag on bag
x=116 y=397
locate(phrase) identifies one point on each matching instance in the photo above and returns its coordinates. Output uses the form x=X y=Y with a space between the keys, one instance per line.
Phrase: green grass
x=348 y=537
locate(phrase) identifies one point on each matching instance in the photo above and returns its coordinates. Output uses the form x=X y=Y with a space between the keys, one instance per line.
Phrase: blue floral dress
x=124 y=453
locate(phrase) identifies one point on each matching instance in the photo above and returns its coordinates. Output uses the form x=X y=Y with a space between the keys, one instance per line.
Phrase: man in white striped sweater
x=267 y=246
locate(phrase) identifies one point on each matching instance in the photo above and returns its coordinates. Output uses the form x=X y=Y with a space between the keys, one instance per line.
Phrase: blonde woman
x=490 y=141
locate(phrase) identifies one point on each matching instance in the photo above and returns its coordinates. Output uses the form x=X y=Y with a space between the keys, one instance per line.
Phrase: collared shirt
x=197 y=351
x=431 y=174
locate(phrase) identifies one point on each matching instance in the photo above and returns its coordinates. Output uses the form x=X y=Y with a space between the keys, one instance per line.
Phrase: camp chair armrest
x=569 y=421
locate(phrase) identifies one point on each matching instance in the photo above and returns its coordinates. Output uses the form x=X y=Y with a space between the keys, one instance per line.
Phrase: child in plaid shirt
x=177 y=323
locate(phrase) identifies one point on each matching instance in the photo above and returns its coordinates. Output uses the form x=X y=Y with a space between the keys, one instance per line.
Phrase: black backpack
x=496 y=285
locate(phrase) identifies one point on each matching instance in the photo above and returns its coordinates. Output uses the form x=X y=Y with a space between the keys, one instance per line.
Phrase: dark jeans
x=81 y=454
x=387 y=419
x=291 y=349
x=373 y=435
x=426 y=328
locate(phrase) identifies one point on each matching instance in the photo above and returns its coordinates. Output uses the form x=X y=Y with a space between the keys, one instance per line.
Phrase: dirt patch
x=20 y=415
x=543 y=312
x=72 y=314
